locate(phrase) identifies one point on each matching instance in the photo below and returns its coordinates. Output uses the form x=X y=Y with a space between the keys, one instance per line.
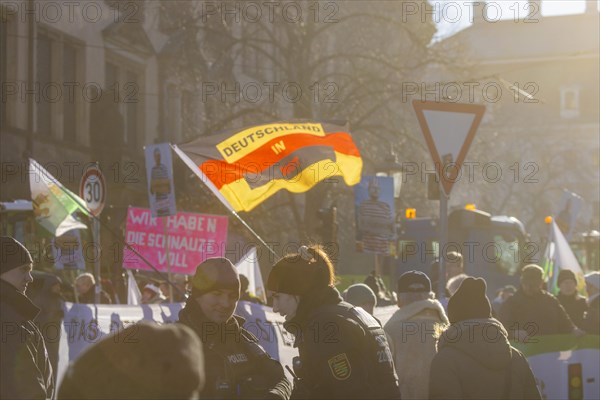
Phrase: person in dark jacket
x=532 y=311
x=143 y=361
x=574 y=304
x=592 y=318
x=239 y=366
x=343 y=350
x=25 y=371
x=49 y=300
x=474 y=358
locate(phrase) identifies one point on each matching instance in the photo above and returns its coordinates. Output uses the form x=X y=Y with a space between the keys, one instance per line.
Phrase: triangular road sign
x=449 y=129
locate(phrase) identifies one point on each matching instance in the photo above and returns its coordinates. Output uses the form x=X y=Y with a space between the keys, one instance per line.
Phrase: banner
x=549 y=357
x=85 y=324
x=375 y=214
x=159 y=172
x=246 y=167
x=191 y=239
x=53 y=204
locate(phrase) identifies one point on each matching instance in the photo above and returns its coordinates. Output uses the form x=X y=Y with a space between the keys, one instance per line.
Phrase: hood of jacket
x=427 y=309
x=311 y=302
x=484 y=340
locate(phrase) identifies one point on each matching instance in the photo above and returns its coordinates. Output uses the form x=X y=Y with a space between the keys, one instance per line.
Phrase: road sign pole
x=166 y=235
x=96 y=233
x=92 y=189
x=443 y=232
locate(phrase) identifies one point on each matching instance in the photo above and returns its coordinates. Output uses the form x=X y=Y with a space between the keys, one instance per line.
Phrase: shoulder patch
x=340 y=367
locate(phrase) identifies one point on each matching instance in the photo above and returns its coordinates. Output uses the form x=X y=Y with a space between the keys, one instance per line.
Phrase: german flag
x=246 y=167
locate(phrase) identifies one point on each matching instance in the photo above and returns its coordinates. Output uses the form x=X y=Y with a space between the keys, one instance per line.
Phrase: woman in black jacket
x=343 y=350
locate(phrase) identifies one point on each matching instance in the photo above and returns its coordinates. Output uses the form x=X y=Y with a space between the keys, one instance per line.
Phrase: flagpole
x=218 y=195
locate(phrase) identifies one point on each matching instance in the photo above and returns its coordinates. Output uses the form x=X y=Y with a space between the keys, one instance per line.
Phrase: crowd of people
x=457 y=347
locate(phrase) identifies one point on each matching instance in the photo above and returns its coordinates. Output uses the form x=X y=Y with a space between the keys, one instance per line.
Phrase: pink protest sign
x=191 y=237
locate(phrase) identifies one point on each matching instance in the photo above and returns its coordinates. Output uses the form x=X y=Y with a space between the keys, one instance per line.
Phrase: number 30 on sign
x=92 y=189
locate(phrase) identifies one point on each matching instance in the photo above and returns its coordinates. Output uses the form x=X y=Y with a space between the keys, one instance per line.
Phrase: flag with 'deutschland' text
x=245 y=167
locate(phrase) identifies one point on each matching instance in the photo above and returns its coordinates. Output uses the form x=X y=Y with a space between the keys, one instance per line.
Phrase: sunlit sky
x=452 y=20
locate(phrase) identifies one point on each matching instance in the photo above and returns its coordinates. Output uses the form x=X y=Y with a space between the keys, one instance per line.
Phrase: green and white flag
x=53 y=204
x=558 y=255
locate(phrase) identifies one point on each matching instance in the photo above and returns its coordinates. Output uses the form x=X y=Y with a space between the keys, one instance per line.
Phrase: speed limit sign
x=92 y=189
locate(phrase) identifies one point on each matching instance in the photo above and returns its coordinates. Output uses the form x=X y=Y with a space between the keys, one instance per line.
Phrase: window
x=3 y=57
x=122 y=87
x=43 y=83
x=569 y=102
x=57 y=89
x=69 y=102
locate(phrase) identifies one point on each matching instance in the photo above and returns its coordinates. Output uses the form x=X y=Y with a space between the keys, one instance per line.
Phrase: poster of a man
x=160 y=185
x=374 y=200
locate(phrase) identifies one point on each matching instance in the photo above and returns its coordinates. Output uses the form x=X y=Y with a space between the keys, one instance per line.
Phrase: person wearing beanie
x=474 y=358
x=151 y=295
x=592 y=318
x=26 y=372
x=143 y=361
x=343 y=350
x=85 y=287
x=531 y=306
x=239 y=366
x=574 y=304
x=360 y=295
x=411 y=330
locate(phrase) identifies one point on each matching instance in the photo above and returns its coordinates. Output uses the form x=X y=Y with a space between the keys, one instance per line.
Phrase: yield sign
x=449 y=129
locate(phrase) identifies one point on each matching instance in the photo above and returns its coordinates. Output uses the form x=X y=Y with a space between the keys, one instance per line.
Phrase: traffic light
x=575 y=382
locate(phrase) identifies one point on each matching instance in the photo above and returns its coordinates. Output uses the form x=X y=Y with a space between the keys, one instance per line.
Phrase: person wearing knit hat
x=475 y=359
x=151 y=294
x=360 y=295
x=531 y=305
x=239 y=366
x=411 y=330
x=574 y=304
x=348 y=355
x=144 y=361
x=25 y=372
x=592 y=318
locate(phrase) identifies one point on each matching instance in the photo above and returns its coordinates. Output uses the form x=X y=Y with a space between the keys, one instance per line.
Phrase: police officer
x=236 y=365
x=343 y=351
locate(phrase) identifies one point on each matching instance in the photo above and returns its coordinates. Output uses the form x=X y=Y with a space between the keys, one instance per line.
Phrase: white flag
x=248 y=266
x=134 y=297
x=559 y=256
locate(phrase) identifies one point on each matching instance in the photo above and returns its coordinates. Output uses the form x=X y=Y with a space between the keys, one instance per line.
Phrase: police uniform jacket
x=343 y=350
x=25 y=368
x=236 y=366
